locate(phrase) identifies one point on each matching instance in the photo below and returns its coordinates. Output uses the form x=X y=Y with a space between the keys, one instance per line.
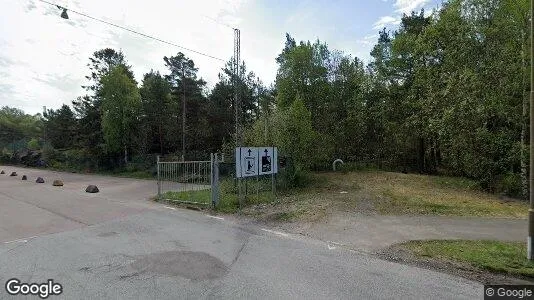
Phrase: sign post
x=254 y=162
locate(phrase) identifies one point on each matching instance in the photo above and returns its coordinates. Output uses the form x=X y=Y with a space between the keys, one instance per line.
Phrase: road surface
x=117 y=244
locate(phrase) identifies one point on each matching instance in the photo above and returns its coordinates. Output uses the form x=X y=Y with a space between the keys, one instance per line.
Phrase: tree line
x=445 y=93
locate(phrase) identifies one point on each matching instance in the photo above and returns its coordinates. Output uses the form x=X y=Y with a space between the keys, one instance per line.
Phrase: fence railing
x=193 y=182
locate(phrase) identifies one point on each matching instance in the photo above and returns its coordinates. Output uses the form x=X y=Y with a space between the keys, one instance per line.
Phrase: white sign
x=254 y=161
x=246 y=161
x=268 y=160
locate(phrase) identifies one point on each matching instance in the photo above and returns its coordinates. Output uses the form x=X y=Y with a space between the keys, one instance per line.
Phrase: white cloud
x=385 y=21
x=44 y=57
x=407 y=6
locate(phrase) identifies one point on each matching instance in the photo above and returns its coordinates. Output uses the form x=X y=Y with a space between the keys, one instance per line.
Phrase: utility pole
x=530 y=252
x=237 y=106
x=44 y=127
x=237 y=96
x=183 y=113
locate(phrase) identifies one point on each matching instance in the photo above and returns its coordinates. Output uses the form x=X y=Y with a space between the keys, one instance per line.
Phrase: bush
x=33 y=144
x=511 y=185
x=292 y=176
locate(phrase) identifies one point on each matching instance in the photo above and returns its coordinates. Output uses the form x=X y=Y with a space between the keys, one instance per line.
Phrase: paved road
x=118 y=245
x=373 y=232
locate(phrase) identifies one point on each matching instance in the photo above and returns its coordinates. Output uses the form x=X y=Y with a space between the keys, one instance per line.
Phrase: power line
x=134 y=31
x=217 y=21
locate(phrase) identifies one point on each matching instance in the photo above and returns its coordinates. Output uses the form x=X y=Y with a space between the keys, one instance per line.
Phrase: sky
x=43 y=58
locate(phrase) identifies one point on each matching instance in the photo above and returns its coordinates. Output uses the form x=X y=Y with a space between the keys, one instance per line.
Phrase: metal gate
x=193 y=182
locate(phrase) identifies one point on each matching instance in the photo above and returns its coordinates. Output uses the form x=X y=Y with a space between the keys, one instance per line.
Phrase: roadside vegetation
x=443 y=94
x=368 y=192
x=508 y=258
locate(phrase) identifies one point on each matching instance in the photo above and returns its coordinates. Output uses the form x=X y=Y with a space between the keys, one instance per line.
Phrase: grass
x=228 y=200
x=398 y=193
x=375 y=191
x=200 y=196
x=498 y=257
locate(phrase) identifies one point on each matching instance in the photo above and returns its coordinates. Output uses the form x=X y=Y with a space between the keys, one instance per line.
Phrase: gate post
x=159 y=183
x=214 y=179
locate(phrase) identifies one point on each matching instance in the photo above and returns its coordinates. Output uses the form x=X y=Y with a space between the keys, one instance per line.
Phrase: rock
x=13 y=174
x=2 y=172
x=57 y=183
x=92 y=189
x=39 y=180
x=24 y=177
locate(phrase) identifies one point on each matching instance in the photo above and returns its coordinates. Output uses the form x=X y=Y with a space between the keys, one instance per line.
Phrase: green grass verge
x=498 y=257
x=228 y=200
x=413 y=194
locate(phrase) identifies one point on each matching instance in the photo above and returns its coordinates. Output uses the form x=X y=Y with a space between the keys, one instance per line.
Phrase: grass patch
x=498 y=257
x=200 y=196
x=363 y=191
x=228 y=200
x=434 y=195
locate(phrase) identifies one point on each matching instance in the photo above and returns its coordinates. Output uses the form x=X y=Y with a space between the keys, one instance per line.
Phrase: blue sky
x=43 y=58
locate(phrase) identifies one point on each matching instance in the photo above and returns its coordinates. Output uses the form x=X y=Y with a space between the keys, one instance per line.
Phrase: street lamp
x=64 y=14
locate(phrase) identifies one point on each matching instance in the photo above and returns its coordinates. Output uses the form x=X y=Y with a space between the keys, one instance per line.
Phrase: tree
x=61 y=127
x=121 y=103
x=155 y=99
x=88 y=108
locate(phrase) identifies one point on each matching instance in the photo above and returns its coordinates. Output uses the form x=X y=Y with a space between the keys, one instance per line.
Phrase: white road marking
x=215 y=217
x=25 y=240
x=332 y=245
x=276 y=232
x=170 y=207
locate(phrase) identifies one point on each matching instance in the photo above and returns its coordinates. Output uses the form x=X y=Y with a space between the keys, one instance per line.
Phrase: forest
x=446 y=93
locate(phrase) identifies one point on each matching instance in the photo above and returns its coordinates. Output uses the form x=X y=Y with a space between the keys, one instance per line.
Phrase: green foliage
x=15 y=126
x=121 y=105
x=33 y=144
x=444 y=93
x=60 y=127
x=499 y=257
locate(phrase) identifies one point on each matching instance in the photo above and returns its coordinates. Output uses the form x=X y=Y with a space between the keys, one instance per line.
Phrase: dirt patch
x=398 y=254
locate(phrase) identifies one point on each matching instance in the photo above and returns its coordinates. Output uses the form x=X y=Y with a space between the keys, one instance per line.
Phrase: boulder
x=2 y=172
x=92 y=189
x=13 y=174
x=24 y=177
x=39 y=180
x=57 y=183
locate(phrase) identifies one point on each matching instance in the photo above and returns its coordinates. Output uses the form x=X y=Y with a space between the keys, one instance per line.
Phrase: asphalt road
x=117 y=244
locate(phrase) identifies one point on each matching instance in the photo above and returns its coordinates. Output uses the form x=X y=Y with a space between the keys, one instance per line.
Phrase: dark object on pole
x=13 y=174
x=24 y=177
x=64 y=14
x=92 y=189
x=530 y=252
x=39 y=180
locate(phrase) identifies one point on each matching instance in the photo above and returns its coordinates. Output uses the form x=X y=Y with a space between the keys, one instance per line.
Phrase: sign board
x=268 y=160
x=254 y=161
x=246 y=161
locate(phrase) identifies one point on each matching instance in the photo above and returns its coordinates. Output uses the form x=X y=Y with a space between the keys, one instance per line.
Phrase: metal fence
x=194 y=182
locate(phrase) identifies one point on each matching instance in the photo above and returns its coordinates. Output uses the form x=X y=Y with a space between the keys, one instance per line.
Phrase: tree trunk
x=421 y=156
x=125 y=155
x=160 y=139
